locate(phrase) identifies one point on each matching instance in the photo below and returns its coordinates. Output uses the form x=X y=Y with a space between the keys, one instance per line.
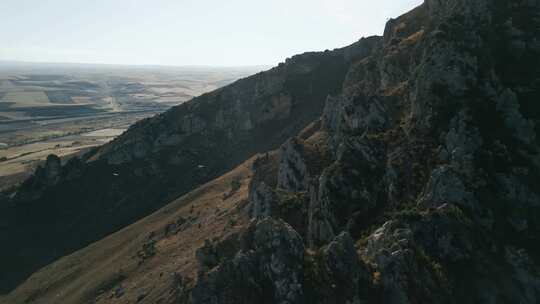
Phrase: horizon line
x=8 y=61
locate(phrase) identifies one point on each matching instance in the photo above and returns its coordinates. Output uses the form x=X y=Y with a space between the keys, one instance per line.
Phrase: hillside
x=160 y=158
x=405 y=172
x=149 y=259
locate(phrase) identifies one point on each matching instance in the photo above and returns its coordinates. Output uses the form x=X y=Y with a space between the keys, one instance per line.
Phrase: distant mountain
x=400 y=169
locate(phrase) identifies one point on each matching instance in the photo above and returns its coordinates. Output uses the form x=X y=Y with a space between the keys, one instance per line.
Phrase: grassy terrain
x=145 y=259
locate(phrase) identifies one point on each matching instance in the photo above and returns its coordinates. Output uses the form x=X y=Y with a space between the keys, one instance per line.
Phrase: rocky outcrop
x=402 y=267
x=268 y=268
x=302 y=159
x=263 y=199
x=292 y=175
x=321 y=220
x=350 y=186
x=262 y=194
x=432 y=146
x=51 y=171
x=46 y=175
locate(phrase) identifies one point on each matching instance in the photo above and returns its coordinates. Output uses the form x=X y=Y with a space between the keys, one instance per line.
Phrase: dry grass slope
x=143 y=262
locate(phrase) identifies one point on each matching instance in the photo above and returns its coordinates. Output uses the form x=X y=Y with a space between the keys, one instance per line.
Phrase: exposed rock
x=348 y=275
x=404 y=273
x=446 y=186
x=262 y=195
x=47 y=175
x=389 y=250
x=358 y=114
x=461 y=143
x=292 y=174
x=321 y=221
x=267 y=269
x=52 y=170
x=349 y=186
x=262 y=198
x=434 y=135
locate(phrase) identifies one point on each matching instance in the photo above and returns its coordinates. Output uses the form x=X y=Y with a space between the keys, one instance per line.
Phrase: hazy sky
x=186 y=32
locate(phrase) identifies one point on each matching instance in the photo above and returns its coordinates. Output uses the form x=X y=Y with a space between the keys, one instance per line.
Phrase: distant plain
x=67 y=109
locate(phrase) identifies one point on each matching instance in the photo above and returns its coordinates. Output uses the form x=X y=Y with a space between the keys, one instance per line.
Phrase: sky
x=186 y=32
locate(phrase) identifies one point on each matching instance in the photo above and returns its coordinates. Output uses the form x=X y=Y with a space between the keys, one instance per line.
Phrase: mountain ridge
x=415 y=183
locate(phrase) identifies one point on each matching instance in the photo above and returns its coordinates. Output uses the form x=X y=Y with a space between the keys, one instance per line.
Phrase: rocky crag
x=415 y=181
x=418 y=184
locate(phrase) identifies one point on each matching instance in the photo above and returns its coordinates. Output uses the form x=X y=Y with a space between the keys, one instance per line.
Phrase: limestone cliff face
x=429 y=162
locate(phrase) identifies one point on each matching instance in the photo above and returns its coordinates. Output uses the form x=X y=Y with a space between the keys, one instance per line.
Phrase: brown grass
x=95 y=272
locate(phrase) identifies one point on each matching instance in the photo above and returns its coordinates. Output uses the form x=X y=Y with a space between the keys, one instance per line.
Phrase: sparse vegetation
x=235 y=186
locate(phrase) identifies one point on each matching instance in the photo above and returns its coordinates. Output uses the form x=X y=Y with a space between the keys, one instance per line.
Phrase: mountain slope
x=417 y=184
x=149 y=258
x=65 y=208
